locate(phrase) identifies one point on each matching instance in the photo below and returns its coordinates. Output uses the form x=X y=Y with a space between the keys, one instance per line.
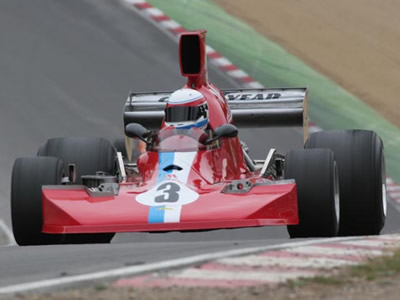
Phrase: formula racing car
x=195 y=174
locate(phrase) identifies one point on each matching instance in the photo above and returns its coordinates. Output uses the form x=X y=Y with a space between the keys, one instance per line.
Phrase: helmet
x=186 y=108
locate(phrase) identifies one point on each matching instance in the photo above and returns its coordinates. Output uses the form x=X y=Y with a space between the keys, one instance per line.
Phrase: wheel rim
x=384 y=203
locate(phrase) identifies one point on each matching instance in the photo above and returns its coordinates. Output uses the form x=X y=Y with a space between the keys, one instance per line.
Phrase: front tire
x=28 y=176
x=90 y=155
x=317 y=185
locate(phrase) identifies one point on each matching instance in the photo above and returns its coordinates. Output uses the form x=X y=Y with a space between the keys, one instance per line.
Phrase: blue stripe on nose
x=156 y=214
x=165 y=159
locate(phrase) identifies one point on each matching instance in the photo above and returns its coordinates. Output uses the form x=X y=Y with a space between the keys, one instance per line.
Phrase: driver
x=186 y=109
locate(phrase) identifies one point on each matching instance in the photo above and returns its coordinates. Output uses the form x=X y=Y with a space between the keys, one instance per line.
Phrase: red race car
x=195 y=174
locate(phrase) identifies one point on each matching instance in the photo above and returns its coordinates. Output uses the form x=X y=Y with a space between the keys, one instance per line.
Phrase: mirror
x=226 y=130
x=223 y=131
x=136 y=130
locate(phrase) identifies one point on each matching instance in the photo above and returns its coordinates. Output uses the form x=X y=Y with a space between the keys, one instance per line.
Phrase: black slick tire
x=362 y=176
x=28 y=176
x=316 y=178
x=90 y=155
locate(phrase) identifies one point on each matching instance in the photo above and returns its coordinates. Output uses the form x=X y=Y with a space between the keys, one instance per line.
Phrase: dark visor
x=185 y=113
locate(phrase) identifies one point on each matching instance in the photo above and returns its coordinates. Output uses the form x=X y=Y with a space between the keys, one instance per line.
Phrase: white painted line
x=386 y=237
x=287 y=262
x=200 y=274
x=168 y=264
x=369 y=243
x=8 y=233
x=334 y=251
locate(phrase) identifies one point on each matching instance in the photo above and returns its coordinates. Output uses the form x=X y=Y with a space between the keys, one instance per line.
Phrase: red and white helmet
x=186 y=108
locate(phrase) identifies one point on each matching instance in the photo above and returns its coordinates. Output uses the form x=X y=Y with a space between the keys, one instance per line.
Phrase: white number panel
x=170 y=193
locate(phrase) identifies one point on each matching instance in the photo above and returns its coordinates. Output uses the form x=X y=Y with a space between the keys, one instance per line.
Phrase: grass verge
x=379 y=268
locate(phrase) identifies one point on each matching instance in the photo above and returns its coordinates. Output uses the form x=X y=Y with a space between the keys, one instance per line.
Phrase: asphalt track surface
x=66 y=68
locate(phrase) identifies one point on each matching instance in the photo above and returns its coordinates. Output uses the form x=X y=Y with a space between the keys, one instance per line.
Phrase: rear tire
x=362 y=176
x=316 y=178
x=90 y=155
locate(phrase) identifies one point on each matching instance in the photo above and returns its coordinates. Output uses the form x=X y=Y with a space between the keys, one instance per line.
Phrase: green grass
x=331 y=107
x=374 y=269
x=100 y=287
x=381 y=267
x=320 y=280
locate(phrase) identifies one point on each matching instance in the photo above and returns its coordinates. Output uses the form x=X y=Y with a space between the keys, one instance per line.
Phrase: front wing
x=71 y=209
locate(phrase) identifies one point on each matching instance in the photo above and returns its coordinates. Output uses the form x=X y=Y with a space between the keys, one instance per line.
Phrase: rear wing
x=249 y=107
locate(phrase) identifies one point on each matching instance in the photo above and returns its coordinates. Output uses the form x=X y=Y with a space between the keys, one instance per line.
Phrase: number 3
x=169 y=193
